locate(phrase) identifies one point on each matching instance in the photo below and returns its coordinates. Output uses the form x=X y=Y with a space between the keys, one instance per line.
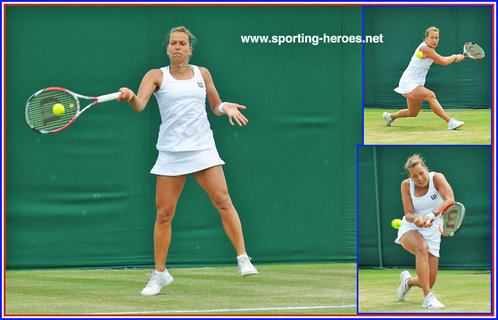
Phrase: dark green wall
x=466 y=84
x=84 y=197
x=468 y=171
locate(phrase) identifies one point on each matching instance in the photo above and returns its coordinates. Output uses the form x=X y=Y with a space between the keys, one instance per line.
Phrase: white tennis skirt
x=407 y=86
x=431 y=235
x=177 y=163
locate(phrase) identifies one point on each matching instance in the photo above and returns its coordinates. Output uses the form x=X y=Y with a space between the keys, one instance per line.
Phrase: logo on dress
x=201 y=84
x=434 y=196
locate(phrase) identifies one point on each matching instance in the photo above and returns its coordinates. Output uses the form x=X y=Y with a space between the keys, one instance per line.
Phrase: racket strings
x=39 y=111
x=474 y=50
x=452 y=220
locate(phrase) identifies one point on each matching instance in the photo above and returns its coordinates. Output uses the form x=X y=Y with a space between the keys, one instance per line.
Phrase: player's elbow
x=137 y=104
x=139 y=109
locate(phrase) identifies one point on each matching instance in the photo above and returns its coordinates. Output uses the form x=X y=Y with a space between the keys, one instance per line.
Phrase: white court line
x=225 y=310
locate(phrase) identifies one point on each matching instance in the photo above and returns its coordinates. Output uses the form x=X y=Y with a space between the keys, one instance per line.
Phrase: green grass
x=461 y=291
x=195 y=291
x=427 y=128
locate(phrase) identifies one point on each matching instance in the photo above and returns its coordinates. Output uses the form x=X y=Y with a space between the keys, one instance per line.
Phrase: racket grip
x=108 y=97
x=431 y=216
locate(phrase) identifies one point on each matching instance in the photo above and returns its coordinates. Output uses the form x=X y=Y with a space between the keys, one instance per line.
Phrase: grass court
x=461 y=291
x=304 y=289
x=427 y=128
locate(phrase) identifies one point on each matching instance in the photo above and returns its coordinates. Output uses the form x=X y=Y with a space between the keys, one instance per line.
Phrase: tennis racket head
x=39 y=110
x=453 y=216
x=473 y=50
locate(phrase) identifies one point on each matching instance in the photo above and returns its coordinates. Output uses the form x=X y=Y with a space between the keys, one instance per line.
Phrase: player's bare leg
x=168 y=190
x=424 y=94
x=413 y=242
x=213 y=181
x=414 y=107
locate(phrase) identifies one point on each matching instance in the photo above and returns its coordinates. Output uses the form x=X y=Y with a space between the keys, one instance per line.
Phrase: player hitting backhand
x=424 y=193
x=411 y=84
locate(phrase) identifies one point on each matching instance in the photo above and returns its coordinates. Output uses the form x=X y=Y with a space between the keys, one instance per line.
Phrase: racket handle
x=431 y=216
x=108 y=97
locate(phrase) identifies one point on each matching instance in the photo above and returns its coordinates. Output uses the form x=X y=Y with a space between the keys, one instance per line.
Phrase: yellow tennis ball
x=58 y=109
x=419 y=54
x=396 y=223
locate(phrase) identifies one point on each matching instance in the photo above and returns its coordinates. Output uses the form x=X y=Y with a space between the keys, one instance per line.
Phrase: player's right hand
x=126 y=95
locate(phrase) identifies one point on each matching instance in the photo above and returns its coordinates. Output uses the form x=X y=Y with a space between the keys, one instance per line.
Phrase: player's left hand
x=233 y=113
x=427 y=222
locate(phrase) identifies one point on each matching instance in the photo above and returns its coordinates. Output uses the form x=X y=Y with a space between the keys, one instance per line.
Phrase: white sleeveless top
x=428 y=202
x=422 y=206
x=415 y=73
x=182 y=104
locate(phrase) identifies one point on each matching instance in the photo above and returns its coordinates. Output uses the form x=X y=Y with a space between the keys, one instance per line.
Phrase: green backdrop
x=468 y=171
x=84 y=197
x=460 y=85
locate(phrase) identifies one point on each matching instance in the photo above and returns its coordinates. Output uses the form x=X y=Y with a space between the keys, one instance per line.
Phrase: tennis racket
x=473 y=50
x=43 y=116
x=452 y=217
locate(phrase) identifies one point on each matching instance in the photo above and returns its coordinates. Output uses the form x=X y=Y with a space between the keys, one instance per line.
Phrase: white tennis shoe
x=403 y=287
x=454 y=123
x=245 y=266
x=431 y=302
x=387 y=117
x=157 y=281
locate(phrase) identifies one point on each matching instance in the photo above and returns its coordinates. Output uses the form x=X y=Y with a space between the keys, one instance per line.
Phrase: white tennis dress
x=415 y=73
x=185 y=141
x=424 y=205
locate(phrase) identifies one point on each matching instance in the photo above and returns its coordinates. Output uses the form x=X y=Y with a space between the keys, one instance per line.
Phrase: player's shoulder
x=154 y=76
x=154 y=73
x=203 y=70
x=205 y=74
x=405 y=183
x=438 y=178
x=426 y=49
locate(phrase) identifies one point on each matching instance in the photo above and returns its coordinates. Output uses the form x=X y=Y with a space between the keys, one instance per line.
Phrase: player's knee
x=431 y=96
x=165 y=214
x=222 y=201
x=423 y=249
x=413 y=113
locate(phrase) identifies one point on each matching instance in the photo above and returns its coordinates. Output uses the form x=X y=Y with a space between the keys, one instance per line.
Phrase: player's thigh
x=420 y=93
x=168 y=190
x=213 y=181
x=413 y=242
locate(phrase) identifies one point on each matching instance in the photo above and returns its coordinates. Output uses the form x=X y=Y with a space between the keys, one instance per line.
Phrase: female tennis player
x=186 y=146
x=424 y=194
x=411 y=84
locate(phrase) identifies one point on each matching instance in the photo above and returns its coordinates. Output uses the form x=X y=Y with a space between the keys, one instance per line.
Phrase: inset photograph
x=429 y=82
x=424 y=229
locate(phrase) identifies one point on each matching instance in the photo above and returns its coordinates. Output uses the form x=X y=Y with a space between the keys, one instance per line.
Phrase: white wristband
x=431 y=216
x=220 y=107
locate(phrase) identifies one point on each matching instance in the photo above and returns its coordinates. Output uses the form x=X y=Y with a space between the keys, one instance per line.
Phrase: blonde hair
x=431 y=29
x=191 y=38
x=413 y=161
